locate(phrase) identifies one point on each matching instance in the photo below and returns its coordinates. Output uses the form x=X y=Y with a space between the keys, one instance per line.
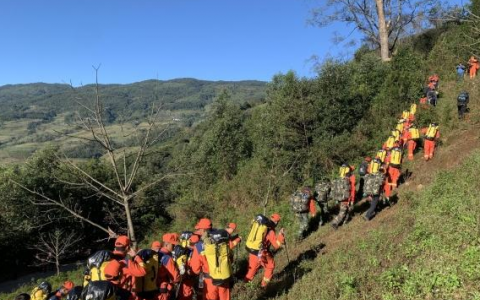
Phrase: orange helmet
x=204 y=224
x=275 y=218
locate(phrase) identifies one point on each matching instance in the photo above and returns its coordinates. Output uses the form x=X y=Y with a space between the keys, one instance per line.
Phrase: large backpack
x=373 y=183
x=413 y=108
x=299 y=202
x=399 y=126
x=396 y=157
x=375 y=165
x=414 y=133
x=217 y=253
x=260 y=226
x=323 y=189
x=363 y=169
x=462 y=99
x=96 y=266
x=180 y=257
x=147 y=285
x=381 y=155
x=396 y=134
x=39 y=294
x=390 y=141
x=431 y=132
x=341 y=189
x=99 y=290
x=184 y=238
x=75 y=293
x=344 y=170
x=405 y=114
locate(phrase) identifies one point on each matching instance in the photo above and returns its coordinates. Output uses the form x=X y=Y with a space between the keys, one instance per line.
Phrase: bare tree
x=382 y=22
x=54 y=247
x=125 y=165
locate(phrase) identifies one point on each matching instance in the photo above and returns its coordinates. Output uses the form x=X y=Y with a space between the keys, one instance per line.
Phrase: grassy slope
x=424 y=247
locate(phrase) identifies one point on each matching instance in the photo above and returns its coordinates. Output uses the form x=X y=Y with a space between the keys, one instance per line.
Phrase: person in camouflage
x=347 y=193
x=322 y=190
x=303 y=204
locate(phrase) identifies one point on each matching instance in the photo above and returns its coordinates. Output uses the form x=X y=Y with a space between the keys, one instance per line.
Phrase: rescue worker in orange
x=188 y=281
x=132 y=267
x=434 y=79
x=234 y=239
x=394 y=164
x=264 y=258
x=411 y=136
x=346 y=206
x=431 y=135
x=156 y=246
x=474 y=66
x=168 y=274
x=114 y=274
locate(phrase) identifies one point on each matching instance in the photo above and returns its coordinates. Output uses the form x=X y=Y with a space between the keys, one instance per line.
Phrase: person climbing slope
x=431 y=136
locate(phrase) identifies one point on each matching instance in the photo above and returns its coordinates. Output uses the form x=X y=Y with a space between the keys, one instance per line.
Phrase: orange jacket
x=474 y=63
x=234 y=241
x=272 y=239
x=168 y=272
x=131 y=268
x=352 y=189
x=195 y=262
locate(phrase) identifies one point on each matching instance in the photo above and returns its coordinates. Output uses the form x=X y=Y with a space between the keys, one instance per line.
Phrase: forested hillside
x=36 y=115
x=249 y=153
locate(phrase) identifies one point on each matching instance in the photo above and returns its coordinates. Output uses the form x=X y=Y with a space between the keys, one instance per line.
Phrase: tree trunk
x=382 y=31
x=57 y=264
x=131 y=230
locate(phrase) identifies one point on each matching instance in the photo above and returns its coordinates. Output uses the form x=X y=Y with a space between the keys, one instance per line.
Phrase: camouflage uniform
x=342 y=215
x=323 y=190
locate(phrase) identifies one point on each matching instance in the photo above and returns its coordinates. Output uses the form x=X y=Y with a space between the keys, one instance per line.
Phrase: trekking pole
x=286 y=250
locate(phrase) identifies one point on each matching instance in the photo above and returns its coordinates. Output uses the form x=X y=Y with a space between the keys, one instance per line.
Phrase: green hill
x=35 y=115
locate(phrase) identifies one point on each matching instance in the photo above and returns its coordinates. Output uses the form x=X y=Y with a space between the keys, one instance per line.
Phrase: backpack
x=260 y=226
x=322 y=189
x=39 y=294
x=390 y=141
x=413 y=109
x=362 y=170
x=399 y=127
x=148 y=283
x=75 y=293
x=381 y=155
x=217 y=253
x=99 y=290
x=375 y=165
x=96 y=266
x=341 y=189
x=414 y=133
x=180 y=257
x=396 y=134
x=373 y=184
x=184 y=237
x=299 y=202
x=396 y=157
x=462 y=99
x=405 y=114
x=344 y=170
x=431 y=132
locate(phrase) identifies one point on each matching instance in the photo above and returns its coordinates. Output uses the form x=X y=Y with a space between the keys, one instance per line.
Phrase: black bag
x=362 y=170
x=75 y=293
x=99 y=290
x=462 y=99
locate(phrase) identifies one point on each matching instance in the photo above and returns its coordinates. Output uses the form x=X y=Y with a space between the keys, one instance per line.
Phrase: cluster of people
x=431 y=91
x=191 y=265
x=472 y=68
x=378 y=176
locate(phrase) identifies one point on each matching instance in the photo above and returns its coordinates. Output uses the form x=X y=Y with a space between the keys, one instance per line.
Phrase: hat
x=275 y=217
x=156 y=244
x=68 y=285
x=171 y=238
x=204 y=224
x=194 y=239
x=113 y=270
x=232 y=226
x=122 y=241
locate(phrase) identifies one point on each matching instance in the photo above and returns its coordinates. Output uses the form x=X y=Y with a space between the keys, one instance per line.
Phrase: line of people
x=471 y=70
x=378 y=176
x=193 y=265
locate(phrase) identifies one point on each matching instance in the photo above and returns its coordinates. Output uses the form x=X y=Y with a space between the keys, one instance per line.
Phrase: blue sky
x=58 y=40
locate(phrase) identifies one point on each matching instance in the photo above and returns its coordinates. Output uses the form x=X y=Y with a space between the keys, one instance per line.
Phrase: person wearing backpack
x=462 y=102
x=374 y=183
x=203 y=227
x=343 y=190
x=101 y=290
x=168 y=274
x=474 y=66
x=412 y=135
x=431 y=136
x=42 y=291
x=323 y=189
x=460 y=71
x=263 y=236
x=303 y=204
x=362 y=171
